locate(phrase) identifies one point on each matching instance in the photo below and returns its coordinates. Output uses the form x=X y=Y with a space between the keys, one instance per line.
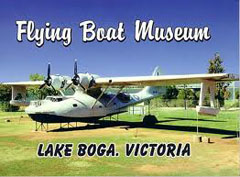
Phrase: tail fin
x=153 y=91
x=156 y=71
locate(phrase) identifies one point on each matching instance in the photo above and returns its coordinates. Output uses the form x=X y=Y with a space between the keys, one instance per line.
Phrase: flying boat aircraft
x=91 y=100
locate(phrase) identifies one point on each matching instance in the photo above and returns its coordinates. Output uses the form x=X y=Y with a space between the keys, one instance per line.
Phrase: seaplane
x=92 y=101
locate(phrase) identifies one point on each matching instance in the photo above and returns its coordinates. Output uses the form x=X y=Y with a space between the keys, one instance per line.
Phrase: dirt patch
x=11 y=144
x=42 y=135
x=163 y=169
x=149 y=169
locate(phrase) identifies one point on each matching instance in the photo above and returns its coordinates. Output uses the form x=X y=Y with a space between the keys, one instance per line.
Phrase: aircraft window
x=53 y=99
x=125 y=98
x=74 y=105
x=59 y=99
x=100 y=106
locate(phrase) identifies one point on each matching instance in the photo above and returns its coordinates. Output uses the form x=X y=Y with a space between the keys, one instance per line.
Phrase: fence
x=142 y=108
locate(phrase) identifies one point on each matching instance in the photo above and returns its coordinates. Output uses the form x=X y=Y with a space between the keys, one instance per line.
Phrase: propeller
x=76 y=77
x=48 y=80
x=92 y=82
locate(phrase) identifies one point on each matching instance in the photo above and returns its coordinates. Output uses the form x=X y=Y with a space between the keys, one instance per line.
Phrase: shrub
x=6 y=107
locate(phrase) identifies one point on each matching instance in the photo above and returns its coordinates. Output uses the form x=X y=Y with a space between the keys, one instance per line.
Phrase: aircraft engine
x=56 y=82
x=59 y=82
x=85 y=81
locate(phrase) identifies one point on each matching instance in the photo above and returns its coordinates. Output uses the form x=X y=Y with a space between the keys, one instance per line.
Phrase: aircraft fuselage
x=80 y=107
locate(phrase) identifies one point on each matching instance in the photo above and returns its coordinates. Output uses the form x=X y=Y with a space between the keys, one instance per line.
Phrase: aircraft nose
x=39 y=107
x=29 y=110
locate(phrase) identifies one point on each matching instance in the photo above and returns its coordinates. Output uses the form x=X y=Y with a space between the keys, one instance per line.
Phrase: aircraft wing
x=164 y=79
x=24 y=84
x=19 y=91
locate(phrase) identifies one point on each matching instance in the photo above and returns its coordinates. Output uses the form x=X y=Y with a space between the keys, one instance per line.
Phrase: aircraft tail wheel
x=149 y=120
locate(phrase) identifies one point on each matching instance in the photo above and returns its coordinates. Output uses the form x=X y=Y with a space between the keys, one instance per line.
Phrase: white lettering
x=90 y=33
x=39 y=35
x=146 y=30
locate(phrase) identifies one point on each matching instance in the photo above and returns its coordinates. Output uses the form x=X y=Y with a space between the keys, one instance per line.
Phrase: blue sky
x=127 y=58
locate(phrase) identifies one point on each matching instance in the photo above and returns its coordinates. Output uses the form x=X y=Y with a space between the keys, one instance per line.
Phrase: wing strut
x=205 y=87
x=114 y=96
x=99 y=97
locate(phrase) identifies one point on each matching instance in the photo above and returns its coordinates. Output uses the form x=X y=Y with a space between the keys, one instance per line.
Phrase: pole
x=185 y=105
x=197 y=123
x=233 y=94
x=148 y=107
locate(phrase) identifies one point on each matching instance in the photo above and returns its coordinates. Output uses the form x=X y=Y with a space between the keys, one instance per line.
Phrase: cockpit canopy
x=55 y=98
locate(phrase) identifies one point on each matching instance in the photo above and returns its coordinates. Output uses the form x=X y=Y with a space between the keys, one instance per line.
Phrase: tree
x=189 y=95
x=5 y=93
x=237 y=94
x=215 y=66
x=5 y=97
x=36 y=77
x=35 y=92
x=171 y=93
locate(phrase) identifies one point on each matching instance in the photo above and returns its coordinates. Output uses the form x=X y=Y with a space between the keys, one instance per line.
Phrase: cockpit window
x=74 y=105
x=69 y=92
x=59 y=99
x=55 y=99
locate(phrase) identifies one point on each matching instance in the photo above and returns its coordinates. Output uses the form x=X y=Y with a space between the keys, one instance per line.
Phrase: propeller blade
x=76 y=78
x=53 y=89
x=41 y=86
x=92 y=82
x=82 y=86
x=75 y=67
x=49 y=70
x=63 y=84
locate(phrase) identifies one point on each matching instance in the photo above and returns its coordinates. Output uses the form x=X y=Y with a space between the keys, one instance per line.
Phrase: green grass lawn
x=222 y=125
x=18 y=145
x=12 y=114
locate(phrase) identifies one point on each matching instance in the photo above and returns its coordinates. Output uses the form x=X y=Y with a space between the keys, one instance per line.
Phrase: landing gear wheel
x=149 y=120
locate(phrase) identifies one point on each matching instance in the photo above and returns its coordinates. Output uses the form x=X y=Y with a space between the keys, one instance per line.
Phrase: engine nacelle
x=60 y=82
x=86 y=79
